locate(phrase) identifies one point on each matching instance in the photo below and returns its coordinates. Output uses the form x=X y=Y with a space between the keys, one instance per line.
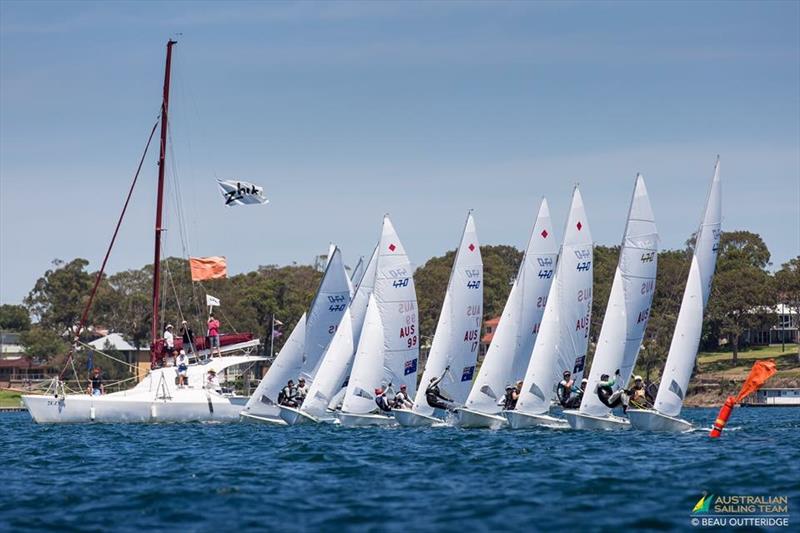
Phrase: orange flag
x=759 y=374
x=204 y=268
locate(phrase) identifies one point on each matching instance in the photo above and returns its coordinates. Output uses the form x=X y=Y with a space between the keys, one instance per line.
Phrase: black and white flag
x=238 y=192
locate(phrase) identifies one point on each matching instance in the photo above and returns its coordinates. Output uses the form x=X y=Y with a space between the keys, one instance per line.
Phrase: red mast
x=160 y=204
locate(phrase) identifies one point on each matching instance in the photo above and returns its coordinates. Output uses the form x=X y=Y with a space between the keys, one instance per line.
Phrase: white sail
x=303 y=350
x=338 y=358
x=357 y=273
x=264 y=400
x=388 y=356
x=456 y=341
x=513 y=340
x=628 y=309
x=689 y=326
x=564 y=333
x=330 y=302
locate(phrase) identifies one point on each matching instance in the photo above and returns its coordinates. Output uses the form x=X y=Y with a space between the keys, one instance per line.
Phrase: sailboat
x=338 y=358
x=626 y=315
x=564 y=333
x=689 y=326
x=510 y=350
x=454 y=351
x=156 y=398
x=388 y=349
x=301 y=356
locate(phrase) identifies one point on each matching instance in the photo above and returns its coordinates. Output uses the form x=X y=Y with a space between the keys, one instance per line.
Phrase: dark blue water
x=208 y=477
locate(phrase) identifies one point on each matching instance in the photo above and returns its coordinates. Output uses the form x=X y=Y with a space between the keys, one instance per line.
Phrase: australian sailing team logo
x=740 y=511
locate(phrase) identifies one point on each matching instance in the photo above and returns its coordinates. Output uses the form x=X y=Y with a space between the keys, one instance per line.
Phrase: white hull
x=650 y=420
x=467 y=418
x=356 y=420
x=408 y=418
x=193 y=406
x=260 y=419
x=294 y=417
x=578 y=420
x=518 y=420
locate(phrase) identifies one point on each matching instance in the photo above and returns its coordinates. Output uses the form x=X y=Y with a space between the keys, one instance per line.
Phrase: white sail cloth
x=237 y=192
x=564 y=333
x=628 y=309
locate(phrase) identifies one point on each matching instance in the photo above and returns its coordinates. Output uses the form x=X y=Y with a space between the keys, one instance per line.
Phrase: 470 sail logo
x=472 y=274
x=584 y=260
x=741 y=511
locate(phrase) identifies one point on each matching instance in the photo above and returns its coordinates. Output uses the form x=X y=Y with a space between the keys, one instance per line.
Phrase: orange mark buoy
x=722 y=417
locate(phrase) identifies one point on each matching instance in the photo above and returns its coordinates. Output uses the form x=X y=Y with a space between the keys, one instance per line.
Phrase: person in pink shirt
x=213 y=335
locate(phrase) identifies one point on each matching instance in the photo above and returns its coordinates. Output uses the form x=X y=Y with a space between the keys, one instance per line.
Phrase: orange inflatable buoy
x=722 y=417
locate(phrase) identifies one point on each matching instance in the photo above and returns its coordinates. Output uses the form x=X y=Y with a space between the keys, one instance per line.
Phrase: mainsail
x=303 y=350
x=338 y=358
x=511 y=346
x=564 y=333
x=389 y=346
x=689 y=326
x=629 y=303
x=455 y=344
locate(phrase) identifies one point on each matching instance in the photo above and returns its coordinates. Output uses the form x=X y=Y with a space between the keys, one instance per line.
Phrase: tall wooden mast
x=160 y=204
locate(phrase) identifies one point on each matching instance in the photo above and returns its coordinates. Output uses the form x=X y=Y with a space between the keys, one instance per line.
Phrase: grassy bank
x=9 y=398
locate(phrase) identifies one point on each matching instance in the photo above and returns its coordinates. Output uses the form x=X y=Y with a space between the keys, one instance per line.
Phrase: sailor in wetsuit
x=434 y=396
x=566 y=387
x=639 y=396
x=575 y=401
x=609 y=396
x=381 y=400
x=510 y=398
x=401 y=399
x=288 y=395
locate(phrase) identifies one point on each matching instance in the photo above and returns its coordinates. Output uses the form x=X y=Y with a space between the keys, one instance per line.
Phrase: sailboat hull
x=365 y=420
x=408 y=418
x=578 y=420
x=467 y=418
x=294 y=417
x=192 y=406
x=518 y=420
x=650 y=420
x=244 y=416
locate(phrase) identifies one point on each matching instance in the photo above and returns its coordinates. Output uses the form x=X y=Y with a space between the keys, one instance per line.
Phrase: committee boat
x=685 y=340
x=388 y=349
x=564 y=333
x=510 y=349
x=156 y=398
x=454 y=351
x=626 y=316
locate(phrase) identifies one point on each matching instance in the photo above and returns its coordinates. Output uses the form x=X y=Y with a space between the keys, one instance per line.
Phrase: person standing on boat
x=213 y=335
x=212 y=382
x=183 y=369
x=401 y=399
x=434 y=396
x=566 y=387
x=169 y=345
x=188 y=337
x=610 y=397
x=96 y=383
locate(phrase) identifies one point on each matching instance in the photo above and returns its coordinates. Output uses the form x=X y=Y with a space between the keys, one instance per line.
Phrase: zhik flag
x=238 y=192
x=211 y=301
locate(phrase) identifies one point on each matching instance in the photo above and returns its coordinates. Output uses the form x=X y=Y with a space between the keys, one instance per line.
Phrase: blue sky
x=345 y=111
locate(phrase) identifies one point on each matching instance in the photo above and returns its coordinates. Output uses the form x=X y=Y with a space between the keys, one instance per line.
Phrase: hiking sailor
x=609 y=396
x=434 y=395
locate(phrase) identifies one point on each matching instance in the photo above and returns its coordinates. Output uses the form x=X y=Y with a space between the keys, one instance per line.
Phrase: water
x=204 y=477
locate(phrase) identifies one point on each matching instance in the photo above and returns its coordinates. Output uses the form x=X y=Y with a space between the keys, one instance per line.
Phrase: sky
x=345 y=111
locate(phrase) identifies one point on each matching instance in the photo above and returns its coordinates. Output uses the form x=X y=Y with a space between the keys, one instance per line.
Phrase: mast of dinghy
x=160 y=202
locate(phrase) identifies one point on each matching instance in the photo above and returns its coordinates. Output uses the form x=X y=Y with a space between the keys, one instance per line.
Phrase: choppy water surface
x=204 y=477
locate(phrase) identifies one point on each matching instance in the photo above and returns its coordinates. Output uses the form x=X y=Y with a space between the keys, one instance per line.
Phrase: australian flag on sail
x=238 y=192
x=466 y=375
x=411 y=367
x=579 y=363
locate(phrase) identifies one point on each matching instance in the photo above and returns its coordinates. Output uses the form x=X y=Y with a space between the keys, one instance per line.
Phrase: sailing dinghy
x=564 y=334
x=338 y=358
x=388 y=349
x=626 y=315
x=302 y=353
x=689 y=326
x=454 y=351
x=510 y=350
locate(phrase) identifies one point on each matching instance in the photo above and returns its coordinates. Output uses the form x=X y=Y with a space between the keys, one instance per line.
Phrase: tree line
x=743 y=295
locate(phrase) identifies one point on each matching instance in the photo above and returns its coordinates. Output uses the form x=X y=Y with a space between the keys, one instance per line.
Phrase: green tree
x=787 y=283
x=43 y=344
x=14 y=318
x=58 y=297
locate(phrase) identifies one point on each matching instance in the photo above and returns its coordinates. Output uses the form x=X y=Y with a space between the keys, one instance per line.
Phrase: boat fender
x=153 y=413
x=91 y=413
x=722 y=417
